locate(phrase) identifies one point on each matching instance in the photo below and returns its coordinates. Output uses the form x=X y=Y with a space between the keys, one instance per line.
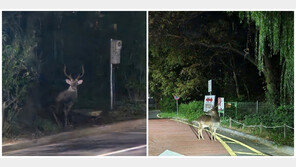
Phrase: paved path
x=238 y=145
x=119 y=141
x=165 y=134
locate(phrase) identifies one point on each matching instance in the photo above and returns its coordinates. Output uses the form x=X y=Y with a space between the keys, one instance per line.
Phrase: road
x=168 y=136
x=121 y=139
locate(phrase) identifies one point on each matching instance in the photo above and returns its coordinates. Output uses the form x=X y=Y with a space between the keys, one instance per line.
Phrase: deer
x=67 y=97
x=210 y=120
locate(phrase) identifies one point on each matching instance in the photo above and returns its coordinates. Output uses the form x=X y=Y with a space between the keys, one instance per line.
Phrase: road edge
x=284 y=149
x=126 y=125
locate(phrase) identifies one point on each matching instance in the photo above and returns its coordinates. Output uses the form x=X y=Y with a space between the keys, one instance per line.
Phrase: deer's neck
x=71 y=89
x=215 y=118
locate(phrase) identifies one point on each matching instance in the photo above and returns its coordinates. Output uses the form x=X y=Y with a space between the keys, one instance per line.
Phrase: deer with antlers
x=67 y=98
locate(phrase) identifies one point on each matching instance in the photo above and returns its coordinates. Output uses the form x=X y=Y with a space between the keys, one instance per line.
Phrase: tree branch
x=229 y=47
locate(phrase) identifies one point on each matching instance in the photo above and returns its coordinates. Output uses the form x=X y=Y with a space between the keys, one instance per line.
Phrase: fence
x=261 y=126
x=240 y=109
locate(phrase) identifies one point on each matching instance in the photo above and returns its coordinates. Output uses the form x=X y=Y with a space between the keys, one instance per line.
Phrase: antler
x=81 y=74
x=65 y=72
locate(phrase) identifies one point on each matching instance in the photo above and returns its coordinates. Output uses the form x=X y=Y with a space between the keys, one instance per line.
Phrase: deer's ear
x=80 y=82
x=68 y=81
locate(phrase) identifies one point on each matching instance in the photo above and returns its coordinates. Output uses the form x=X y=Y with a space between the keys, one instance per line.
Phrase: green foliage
x=18 y=68
x=275 y=37
x=282 y=115
x=188 y=48
x=167 y=104
x=45 y=125
x=190 y=111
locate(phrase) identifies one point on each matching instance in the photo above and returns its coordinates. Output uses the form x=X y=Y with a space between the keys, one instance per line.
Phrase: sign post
x=176 y=98
x=210 y=87
x=209 y=102
x=221 y=105
x=116 y=46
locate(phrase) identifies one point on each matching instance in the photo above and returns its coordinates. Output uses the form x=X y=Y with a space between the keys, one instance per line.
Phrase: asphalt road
x=233 y=144
x=119 y=141
x=169 y=137
x=241 y=150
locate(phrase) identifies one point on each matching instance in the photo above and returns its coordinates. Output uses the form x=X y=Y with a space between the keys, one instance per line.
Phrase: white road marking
x=124 y=150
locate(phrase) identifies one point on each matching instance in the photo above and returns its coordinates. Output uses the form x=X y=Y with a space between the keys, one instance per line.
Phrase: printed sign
x=221 y=104
x=209 y=102
x=210 y=86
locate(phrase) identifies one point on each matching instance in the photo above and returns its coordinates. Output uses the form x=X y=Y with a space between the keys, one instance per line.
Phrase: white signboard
x=209 y=102
x=116 y=46
x=210 y=86
x=221 y=104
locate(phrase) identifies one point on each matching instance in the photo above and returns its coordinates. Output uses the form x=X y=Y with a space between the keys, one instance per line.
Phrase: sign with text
x=221 y=104
x=209 y=102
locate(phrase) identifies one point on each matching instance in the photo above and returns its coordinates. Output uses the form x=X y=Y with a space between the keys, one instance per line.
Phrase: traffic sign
x=176 y=97
x=221 y=105
x=209 y=102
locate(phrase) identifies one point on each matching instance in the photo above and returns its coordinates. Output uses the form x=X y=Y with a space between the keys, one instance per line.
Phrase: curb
x=284 y=149
x=116 y=127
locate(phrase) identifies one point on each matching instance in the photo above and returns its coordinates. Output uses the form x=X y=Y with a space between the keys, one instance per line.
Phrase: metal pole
x=111 y=86
x=285 y=131
x=177 y=106
x=257 y=104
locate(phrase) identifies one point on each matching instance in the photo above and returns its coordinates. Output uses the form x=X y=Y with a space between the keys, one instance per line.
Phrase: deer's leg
x=214 y=133
x=66 y=116
x=211 y=132
x=57 y=120
x=200 y=131
x=67 y=110
x=198 y=134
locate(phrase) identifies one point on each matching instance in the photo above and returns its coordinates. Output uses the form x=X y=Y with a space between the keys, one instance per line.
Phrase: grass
x=276 y=135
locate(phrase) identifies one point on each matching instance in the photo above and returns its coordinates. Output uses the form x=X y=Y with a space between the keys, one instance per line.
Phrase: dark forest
x=37 y=46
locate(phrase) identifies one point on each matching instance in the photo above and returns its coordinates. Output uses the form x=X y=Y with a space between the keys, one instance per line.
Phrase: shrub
x=167 y=104
x=192 y=110
x=45 y=125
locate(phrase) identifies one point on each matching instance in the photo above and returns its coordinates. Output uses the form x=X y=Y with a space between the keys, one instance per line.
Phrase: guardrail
x=260 y=126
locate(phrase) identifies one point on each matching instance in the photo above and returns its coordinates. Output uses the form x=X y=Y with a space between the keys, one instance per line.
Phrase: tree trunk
x=270 y=78
x=236 y=85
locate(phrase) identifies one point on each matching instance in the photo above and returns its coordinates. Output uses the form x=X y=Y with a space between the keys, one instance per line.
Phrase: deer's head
x=212 y=112
x=74 y=82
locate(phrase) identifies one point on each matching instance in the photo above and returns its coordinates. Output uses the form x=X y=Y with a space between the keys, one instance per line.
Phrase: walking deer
x=211 y=120
x=67 y=98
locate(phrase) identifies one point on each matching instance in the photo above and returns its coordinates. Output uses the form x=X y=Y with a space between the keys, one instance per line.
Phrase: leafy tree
x=19 y=69
x=274 y=39
x=188 y=48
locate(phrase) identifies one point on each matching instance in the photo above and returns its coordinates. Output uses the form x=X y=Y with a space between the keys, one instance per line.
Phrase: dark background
x=50 y=40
